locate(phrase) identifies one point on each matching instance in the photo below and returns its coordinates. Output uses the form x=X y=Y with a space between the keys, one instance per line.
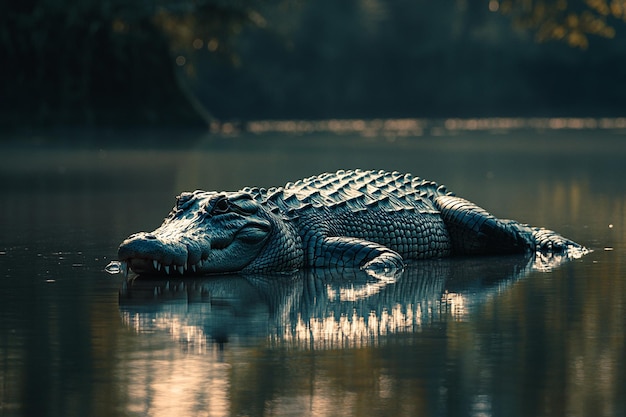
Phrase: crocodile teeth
x=180 y=269
x=155 y=264
x=167 y=269
x=193 y=267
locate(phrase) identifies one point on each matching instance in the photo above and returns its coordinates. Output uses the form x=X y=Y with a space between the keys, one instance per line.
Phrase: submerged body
x=374 y=220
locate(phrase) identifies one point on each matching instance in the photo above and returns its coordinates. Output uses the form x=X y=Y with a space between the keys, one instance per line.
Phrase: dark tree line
x=140 y=62
x=106 y=61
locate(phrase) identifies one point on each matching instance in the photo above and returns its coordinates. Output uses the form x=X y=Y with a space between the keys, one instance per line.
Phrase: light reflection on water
x=549 y=342
x=304 y=311
x=166 y=383
x=418 y=127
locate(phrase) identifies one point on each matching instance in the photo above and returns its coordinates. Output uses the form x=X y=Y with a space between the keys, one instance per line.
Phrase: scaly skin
x=374 y=220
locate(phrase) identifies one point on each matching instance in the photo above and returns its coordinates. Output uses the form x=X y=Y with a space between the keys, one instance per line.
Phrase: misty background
x=164 y=62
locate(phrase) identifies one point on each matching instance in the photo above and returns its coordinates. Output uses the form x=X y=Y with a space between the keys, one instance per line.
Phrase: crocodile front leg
x=349 y=252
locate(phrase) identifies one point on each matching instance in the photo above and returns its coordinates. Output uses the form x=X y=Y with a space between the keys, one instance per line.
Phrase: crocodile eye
x=220 y=206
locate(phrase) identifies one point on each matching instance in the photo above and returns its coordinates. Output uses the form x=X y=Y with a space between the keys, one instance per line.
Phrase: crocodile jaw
x=198 y=250
x=152 y=253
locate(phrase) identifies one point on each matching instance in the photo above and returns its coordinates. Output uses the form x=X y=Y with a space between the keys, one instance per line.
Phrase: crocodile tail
x=474 y=231
x=549 y=241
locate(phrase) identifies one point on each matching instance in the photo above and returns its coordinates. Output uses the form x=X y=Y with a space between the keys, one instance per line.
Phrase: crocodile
x=372 y=220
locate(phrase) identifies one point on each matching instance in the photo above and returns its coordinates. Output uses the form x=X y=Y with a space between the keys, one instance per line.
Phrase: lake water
x=462 y=337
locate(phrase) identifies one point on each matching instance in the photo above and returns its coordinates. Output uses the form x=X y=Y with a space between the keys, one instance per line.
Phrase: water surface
x=467 y=337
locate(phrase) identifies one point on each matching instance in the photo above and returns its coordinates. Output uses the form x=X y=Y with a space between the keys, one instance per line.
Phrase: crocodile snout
x=146 y=253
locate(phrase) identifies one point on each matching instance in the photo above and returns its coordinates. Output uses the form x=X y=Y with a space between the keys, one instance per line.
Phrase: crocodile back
x=389 y=208
x=356 y=189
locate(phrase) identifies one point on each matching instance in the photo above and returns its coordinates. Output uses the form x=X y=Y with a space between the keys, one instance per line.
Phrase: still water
x=464 y=337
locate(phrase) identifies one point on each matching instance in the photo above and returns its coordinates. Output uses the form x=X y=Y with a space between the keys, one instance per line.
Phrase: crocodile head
x=206 y=232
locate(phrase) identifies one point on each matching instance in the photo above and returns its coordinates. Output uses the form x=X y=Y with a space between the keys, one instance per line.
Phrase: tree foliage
x=569 y=21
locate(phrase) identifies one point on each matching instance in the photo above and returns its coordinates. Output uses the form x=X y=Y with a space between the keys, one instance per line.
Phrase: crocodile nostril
x=150 y=236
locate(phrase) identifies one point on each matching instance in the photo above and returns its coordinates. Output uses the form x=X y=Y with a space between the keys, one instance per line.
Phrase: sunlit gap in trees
x=561 y=20
x=417 y=126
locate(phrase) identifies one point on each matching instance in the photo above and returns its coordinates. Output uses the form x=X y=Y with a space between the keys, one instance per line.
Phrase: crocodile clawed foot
x=388 y=264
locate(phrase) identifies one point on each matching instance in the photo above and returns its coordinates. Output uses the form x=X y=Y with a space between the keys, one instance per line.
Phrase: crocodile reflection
x=318 y=308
